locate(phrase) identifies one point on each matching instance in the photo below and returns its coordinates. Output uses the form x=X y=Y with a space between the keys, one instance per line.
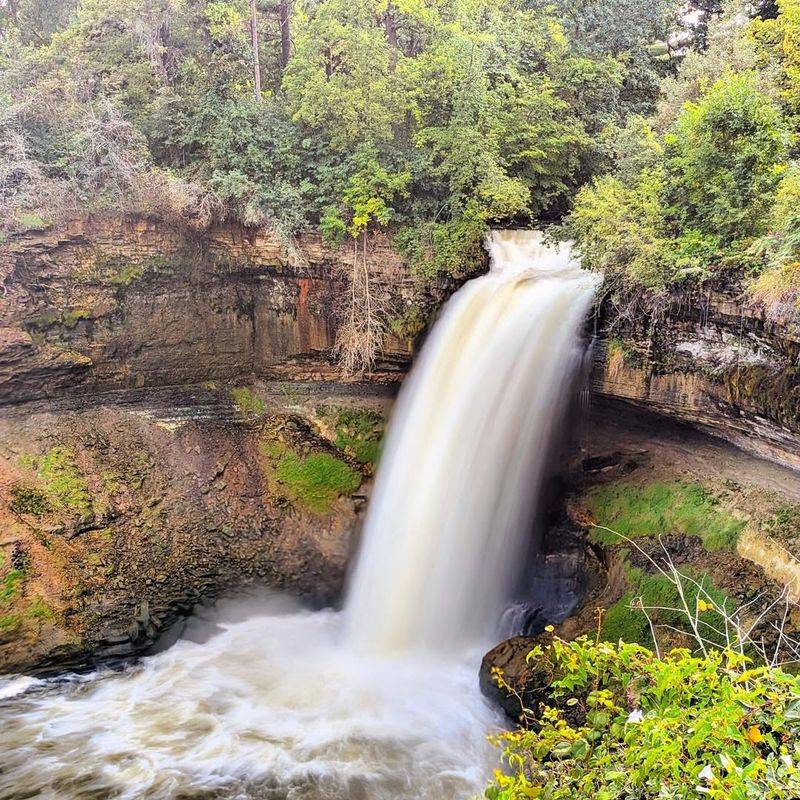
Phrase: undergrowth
x=618 y=723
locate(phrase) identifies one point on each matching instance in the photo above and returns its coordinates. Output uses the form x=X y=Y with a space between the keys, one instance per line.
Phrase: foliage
x=651 y=509
x=778 y=286
x=317 y=480
x=697 y=188
x=620 y=722
x=437 y=117
x=725 y=157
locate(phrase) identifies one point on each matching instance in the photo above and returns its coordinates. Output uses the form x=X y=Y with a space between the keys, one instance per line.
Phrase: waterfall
x=260 y=698
x=467 y=449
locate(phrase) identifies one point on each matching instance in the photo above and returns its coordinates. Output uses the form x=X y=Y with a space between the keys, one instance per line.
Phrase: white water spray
x=263 y=701
x=466 y=452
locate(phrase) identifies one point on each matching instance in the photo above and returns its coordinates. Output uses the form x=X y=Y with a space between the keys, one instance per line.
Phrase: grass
x=315 y=481
x=660 y=508
x=249 y=404
x=358 y=432
x=621 y=622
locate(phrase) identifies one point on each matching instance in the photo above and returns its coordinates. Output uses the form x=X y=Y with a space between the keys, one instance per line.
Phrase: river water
x=262 y=699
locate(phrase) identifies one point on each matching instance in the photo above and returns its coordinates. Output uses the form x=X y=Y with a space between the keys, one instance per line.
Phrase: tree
x=255 y=48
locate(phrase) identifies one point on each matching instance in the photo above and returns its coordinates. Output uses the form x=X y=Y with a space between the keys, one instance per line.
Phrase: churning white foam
x=258 y=700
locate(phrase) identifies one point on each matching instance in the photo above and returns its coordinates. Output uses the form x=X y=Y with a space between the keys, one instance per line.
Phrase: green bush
x=621 y=724
x=725 y=158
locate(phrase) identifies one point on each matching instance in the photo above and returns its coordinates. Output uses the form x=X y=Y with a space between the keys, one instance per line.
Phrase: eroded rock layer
x=110 y=303
x=714 y=360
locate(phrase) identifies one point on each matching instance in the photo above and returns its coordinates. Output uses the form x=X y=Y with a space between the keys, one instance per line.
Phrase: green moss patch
x=64 y=485
x=11 y=585
x=358 y=432
x=316 y=480
x=659 y=508
x=29 y=500
x=249 y=404
x=10 y=622
x=627 y=622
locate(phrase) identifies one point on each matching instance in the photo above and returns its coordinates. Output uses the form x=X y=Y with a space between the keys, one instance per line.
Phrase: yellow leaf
x=754 y=734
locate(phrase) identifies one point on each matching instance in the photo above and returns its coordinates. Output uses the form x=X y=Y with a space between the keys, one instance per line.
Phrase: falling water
x=261 y=700
x=467 y=449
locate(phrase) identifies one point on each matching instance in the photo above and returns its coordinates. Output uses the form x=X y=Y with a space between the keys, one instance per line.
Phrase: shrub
x=619 y=722
x=778 y=286
x=725 y=157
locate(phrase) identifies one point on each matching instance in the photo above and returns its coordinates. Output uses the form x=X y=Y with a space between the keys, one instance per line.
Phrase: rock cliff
x=108 y=303
x=713 y=360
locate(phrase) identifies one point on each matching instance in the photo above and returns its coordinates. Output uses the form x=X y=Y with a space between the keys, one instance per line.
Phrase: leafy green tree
x=725 y=158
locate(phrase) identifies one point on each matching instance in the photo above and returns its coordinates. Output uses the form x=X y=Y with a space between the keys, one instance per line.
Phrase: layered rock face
x=715 y=361
x=103 y=304
x=143 y=464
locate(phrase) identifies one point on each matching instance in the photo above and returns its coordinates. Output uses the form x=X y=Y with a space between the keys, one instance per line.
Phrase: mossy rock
x=656 y=508
x=303 y=469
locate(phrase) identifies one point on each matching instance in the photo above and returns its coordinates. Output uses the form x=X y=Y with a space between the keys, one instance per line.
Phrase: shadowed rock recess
x=714 y=359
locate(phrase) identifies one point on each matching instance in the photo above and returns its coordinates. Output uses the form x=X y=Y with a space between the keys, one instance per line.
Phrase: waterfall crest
x=459 y=478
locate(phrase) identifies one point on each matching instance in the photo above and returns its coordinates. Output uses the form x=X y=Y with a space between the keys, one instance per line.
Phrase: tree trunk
x=390 y=25
x=285 y=20
x=256 y=61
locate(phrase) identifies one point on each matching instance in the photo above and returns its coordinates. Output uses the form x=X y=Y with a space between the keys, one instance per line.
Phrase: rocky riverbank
x=121 y=513
x=723 y=517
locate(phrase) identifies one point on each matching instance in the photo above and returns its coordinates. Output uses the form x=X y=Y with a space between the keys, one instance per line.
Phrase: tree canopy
x=434 y=117
x=707 y=186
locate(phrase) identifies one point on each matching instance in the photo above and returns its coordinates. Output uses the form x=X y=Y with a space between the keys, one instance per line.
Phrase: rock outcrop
x=111 y=303
x=712 y=360
x=118 y=517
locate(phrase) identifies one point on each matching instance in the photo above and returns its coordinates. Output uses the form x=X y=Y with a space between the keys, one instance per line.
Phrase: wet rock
x=512 y=682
